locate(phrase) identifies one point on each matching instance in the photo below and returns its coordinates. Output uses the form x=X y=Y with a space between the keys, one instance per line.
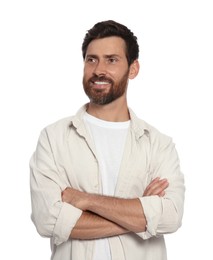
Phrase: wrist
x=87 y=201
x=83 y=202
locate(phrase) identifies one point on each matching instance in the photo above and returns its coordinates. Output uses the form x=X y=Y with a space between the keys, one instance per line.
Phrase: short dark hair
x=111 y=28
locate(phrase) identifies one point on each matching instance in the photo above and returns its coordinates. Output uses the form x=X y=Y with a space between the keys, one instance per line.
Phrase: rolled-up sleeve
x=164 y=214
x=52 y=217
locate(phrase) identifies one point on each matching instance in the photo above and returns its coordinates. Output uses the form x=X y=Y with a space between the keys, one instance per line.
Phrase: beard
x=101 y=96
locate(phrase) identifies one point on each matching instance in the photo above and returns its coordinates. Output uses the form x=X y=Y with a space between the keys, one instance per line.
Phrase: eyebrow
x=105 y=56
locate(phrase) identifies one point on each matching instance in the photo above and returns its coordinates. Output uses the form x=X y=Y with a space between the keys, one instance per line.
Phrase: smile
x=101 y=82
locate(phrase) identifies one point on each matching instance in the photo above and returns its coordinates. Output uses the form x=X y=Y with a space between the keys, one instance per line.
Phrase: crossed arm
x=105 y=216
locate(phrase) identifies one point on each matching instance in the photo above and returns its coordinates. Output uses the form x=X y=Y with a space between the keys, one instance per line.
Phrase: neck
x=116 y=111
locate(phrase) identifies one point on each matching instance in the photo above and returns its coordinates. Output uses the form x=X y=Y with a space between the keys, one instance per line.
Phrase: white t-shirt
x=109 y=139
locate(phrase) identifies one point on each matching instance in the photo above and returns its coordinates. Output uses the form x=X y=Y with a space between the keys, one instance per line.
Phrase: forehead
x=107 y=46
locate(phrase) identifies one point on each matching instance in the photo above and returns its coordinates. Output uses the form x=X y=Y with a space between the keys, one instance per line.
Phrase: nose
x=100 y=68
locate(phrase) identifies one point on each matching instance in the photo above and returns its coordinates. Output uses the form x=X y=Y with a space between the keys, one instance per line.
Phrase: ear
x=134 y=69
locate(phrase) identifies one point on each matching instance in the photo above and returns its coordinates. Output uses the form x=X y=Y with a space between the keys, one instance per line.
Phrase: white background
x=40 y=82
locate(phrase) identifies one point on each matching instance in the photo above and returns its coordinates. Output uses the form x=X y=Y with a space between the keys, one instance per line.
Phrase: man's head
x=111 y=28
x=110 y=52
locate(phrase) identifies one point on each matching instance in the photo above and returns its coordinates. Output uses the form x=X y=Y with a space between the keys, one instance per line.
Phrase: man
x=106 y=185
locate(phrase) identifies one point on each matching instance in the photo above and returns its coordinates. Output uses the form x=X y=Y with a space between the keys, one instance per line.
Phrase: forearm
x=127 y=213
x=121 y=214
x=92 y=226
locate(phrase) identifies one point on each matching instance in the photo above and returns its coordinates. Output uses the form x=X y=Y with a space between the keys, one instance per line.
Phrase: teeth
x=101 y=82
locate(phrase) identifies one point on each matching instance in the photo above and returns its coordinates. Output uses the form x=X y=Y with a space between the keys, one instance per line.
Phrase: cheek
x=86 y=75
x=118 y=72
x=114 y=74
x=87 y=70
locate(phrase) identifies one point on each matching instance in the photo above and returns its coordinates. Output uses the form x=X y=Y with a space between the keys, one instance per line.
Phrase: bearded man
x=106 y=185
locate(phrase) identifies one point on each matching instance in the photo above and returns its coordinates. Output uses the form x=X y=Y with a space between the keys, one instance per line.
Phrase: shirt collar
x=137 y=125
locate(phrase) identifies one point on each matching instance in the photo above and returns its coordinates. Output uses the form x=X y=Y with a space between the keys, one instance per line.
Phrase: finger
x=156 y=180
x=156 y=187
x=152 y=187
x=65 y=195
x=162 y=193
x=157 y=190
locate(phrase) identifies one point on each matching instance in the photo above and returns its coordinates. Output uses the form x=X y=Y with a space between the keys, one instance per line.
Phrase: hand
x=156 y=187
x=75 y=197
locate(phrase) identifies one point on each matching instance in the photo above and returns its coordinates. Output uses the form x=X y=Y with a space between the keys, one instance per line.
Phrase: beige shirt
x=65 y=156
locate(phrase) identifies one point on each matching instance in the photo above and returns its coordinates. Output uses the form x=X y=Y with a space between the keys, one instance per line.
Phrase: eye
x=91 y=60
x=112 y=60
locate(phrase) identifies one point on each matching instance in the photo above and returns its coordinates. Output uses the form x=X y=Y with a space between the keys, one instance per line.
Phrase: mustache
x=101 y=78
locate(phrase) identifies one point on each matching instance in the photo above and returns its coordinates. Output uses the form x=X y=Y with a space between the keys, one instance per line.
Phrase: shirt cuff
x=152 y=207
x=67 y=219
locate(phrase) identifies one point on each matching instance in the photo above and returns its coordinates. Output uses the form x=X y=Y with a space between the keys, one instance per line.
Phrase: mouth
x=100 y=84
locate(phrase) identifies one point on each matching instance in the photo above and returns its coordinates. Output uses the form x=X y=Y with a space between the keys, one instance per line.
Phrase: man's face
x=106 y=70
